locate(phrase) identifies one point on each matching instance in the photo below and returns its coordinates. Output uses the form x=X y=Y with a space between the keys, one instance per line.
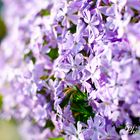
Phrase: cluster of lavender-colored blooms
x=70 y=69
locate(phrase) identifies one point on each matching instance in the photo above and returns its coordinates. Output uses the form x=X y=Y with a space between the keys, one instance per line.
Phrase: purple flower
x=95 y=128
x=91 y=22
x=71 y=66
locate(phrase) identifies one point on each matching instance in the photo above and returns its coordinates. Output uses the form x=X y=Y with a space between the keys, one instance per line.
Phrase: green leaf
x=65 y=100
x=42 y=91
x=1 y=101
x=44 y=77
x=79 y=104
x=50 y=125
x=78 y=97
x=1 y=6
x=30 y=56
x=44 y=12
x=53 y=54
x=3 y=29
x=120 y=127
x=59 y=138
x=83 y=114
x=72 y=29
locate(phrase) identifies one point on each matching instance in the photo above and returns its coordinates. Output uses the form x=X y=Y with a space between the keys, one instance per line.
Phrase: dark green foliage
x=42 y=91
x=72 y=29
x=53 y=54
x=135 y=120
x=79 y=104
x=3 y=30
x=80 y=108
x=120 y=128
x=50 y=125
x=65 y=101
x=81 y=111
x=1 y=5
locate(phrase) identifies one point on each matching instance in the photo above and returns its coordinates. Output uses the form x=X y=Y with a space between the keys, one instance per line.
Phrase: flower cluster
x=70 y=69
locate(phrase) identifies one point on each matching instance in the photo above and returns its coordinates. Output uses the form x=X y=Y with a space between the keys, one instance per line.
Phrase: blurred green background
x=8 y=131
x=2 y=24
x=1 y=4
